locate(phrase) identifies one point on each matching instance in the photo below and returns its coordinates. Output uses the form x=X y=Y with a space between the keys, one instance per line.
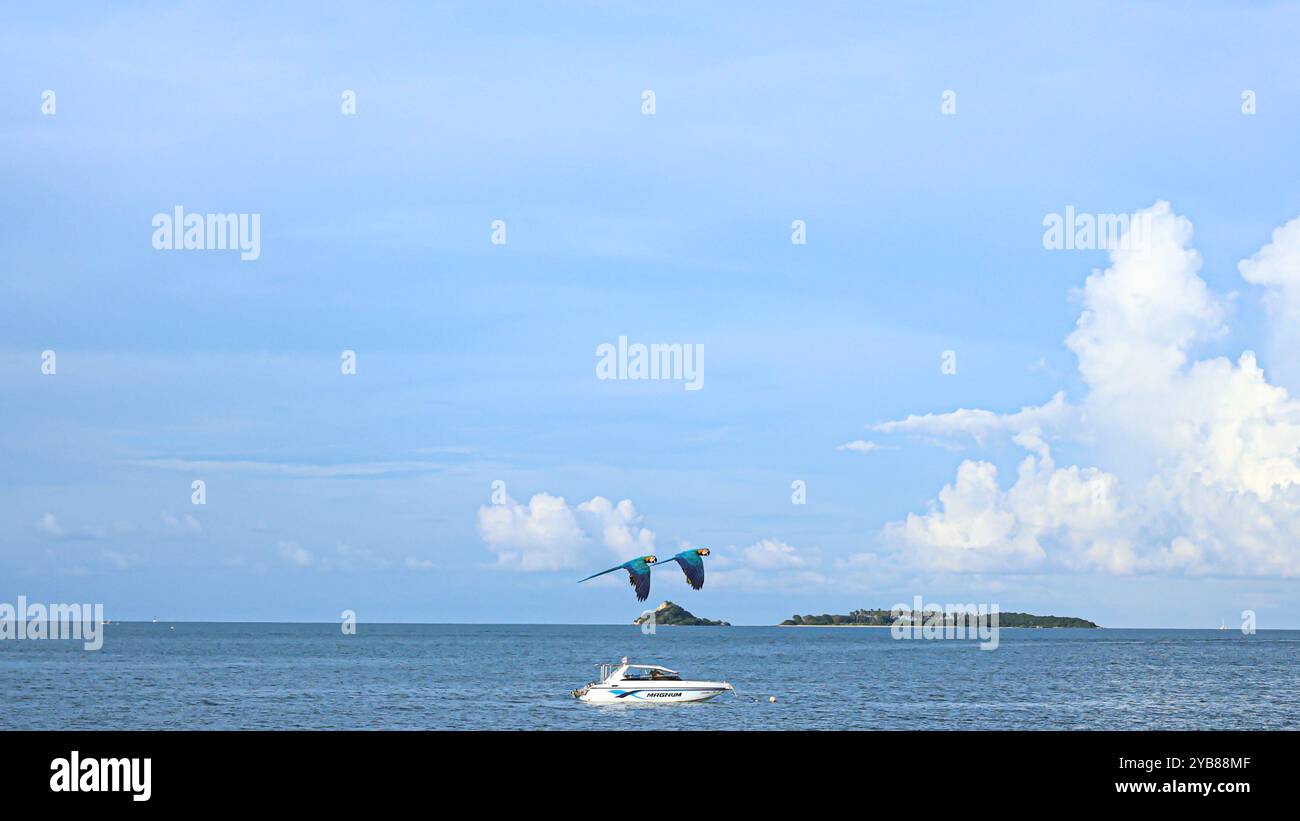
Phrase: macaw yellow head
x=650 y=560
x=703 y=551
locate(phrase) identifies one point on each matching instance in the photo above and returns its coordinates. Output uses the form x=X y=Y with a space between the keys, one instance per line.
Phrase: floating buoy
x=771 y=699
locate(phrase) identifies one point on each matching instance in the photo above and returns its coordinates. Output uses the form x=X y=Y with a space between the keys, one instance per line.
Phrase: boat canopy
x=624 y=671
x=650 y=667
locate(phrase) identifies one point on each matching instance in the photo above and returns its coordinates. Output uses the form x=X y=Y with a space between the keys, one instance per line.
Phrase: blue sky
x=475 y=361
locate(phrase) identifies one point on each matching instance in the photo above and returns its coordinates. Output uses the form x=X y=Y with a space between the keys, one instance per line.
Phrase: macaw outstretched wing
x=693 y=566
x=638 y=573
x=640 y=579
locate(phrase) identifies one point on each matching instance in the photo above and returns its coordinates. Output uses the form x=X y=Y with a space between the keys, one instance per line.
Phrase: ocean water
x=434 y=676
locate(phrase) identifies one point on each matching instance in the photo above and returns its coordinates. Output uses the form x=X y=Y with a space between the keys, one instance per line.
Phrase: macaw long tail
x=601 y=573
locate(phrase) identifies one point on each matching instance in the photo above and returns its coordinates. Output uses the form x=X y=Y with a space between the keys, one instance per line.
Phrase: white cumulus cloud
x=1197 y=461
x=1276 y=267
x=548 y=534
x=773 y=554
x=767 y=565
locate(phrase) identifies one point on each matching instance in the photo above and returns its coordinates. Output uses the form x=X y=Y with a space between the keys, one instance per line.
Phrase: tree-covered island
x=885 y=618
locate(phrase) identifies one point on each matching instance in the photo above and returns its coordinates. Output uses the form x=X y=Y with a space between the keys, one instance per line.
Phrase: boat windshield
x=633 y=674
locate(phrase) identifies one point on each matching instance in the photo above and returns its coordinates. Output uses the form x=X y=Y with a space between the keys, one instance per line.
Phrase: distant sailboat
x=1223 y=625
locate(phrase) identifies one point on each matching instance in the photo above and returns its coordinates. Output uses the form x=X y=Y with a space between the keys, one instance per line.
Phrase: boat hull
x=628 y=693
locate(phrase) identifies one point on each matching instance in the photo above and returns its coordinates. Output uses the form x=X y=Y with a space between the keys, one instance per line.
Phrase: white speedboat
x=624 y=683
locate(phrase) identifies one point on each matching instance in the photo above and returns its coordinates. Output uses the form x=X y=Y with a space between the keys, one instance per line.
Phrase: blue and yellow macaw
x=638 y=573
x=692 y=562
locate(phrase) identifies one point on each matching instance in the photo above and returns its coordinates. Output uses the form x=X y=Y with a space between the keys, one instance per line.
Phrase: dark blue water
x=519 y=676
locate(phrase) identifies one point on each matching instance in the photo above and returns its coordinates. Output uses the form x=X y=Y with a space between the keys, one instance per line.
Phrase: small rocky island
x=677 y=616
x=884 y=618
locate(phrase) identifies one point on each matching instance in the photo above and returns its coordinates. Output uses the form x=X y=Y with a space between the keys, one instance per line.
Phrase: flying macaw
x=692 y=562
x=638 y=573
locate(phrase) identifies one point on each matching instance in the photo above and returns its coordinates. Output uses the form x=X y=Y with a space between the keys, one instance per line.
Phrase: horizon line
x=633 y=624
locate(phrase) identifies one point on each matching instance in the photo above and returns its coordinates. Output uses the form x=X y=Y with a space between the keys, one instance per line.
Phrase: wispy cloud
x=183 y=524
x=121 y=560
x=295 y=554
x=981 y=424
x=859 y=446
x=351 y=469
x=49 y=524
